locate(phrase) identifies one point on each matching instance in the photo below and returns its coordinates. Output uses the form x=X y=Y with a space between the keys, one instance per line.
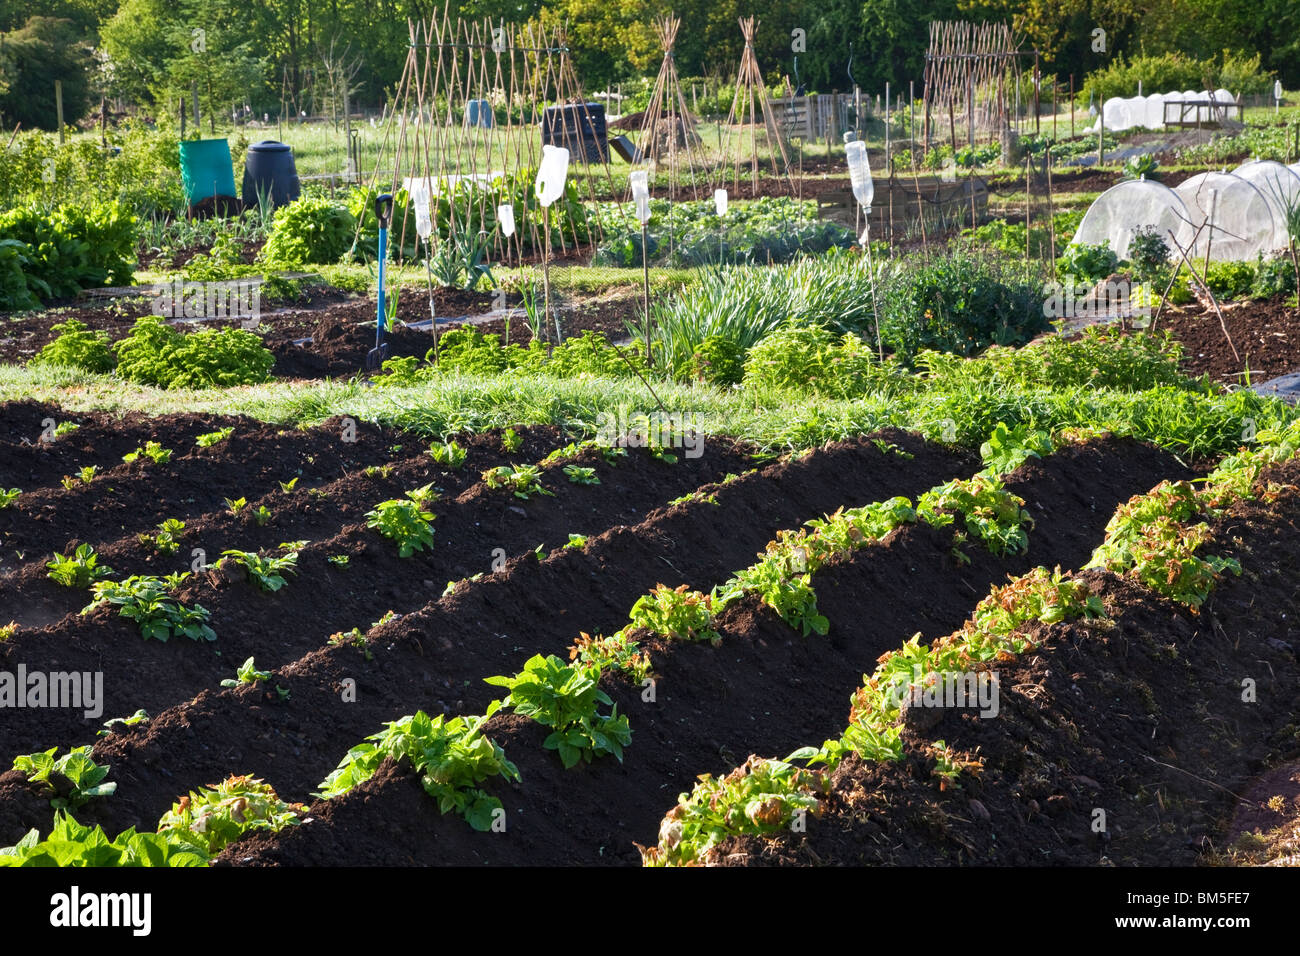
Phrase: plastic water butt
x=479 y=113
x=269 y=169
x=206 y=169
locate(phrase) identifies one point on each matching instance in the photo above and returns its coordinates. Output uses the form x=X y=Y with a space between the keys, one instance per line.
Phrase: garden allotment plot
x=645 y=615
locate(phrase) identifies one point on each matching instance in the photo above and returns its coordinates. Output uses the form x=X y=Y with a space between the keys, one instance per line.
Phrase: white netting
x=1280 y=186
x=1153 y=111
x=1121 y=113
x=1241 y=223
x=1123 y=209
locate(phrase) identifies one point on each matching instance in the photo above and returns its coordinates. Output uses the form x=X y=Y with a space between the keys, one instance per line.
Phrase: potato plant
x=567 y=699
x=404 y=522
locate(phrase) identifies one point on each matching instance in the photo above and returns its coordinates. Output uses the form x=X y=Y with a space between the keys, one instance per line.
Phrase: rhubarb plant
x=567 y=699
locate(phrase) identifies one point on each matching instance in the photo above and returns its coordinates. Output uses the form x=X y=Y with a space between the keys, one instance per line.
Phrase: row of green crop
x=56 y=253
x=454 y=757
x=155 y=353
x=1154 y=538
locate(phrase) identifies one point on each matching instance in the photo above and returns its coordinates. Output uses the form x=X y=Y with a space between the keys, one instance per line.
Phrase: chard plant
x=676 y=614
x=87 y=474
x=73 y=779
x=511 y=441
x=78 y=570
x=761 y=796
x=215 y=817
x=9 y=497
x=261 y=514
x=158 y=615
x=567 y=699
x=453 y=757
x=616 y=654
x=236 y=505
x=404 y=522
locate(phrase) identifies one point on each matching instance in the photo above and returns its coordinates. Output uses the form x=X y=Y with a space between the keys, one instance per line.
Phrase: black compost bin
x=579 y=128
x=269 y=169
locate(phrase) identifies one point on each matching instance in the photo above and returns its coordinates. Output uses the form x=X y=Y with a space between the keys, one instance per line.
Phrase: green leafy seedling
x=247 y=674
x=73 y=778
x=404 y=522
x=80 y=570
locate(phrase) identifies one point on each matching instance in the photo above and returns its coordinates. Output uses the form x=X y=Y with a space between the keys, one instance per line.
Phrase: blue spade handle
x=383 y=212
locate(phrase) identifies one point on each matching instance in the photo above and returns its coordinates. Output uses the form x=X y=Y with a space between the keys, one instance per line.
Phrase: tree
x=44 y=50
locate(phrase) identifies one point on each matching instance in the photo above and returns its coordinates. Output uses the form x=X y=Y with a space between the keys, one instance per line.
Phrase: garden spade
x=383 y=212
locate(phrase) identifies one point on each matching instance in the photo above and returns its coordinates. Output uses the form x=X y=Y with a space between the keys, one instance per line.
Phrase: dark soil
x=763 y=689
x=1143 y=719
x=341 y=327
x=435 y=656
x=1266 y=336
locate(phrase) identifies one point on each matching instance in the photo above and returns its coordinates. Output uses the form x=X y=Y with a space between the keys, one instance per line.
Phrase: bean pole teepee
x=465 y=120
x=667 y=120
x=751 y=92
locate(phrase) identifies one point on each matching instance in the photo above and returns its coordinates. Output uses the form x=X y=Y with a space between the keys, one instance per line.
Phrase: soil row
x=323 y=596
x=1127 y=742
x=436 y=657
x=764 y=689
